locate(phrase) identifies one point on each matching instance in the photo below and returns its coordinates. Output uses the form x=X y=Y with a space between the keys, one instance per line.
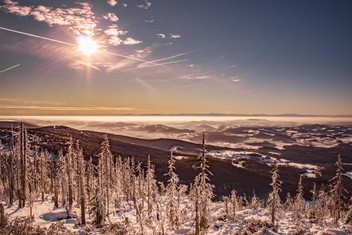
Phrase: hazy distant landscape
x=306 y=146
x=240 y=152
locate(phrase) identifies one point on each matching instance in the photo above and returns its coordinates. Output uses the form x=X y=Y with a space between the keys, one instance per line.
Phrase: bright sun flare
x=87 y=45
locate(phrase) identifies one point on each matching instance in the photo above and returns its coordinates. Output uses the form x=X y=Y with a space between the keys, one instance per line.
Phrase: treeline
x=115 y=185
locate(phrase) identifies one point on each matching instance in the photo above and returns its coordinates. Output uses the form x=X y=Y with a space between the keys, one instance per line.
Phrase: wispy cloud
x=235 y=79
x=67 y=108
x=12 y=67
x=149 y=21
x=112 y=2
x=15 y=101
x=174 y=36
x=131 y=41
x=85 y=64
x=208 y=75
x=146 y=5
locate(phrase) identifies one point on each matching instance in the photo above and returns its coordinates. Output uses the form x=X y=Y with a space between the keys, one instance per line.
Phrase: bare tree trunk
x=2 y=216
x=11 y=175
x=197 y=212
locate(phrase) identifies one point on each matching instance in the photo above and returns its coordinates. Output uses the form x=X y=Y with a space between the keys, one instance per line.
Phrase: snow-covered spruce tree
x=171 y=193
x=161 y=210
x=126 y=179
x=62 y=176
x=69 y=172
x=105 y=172
x=299 y=199
x=274 y=198
x=3 y=173
x=76 y=176
x=202 y=192
x=322 y=204
x=226 y=200
x=312 y=209
x=337 y=192
x=90 y=182
x=255 y=202
x=44 y=172
x=81 y=176
x=30 y=180
x=181 y=196
x=117 y=179
x=151 y=186
x=349 y=213
x=234 y=204
x=97 y=206
x=289 y=202
x=140 y=182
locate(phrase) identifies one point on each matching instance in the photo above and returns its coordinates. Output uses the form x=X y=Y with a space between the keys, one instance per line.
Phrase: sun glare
x=87 y=45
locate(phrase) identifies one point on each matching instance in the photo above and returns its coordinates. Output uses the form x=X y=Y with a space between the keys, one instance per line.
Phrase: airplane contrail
x=37 y=36
x=12 y=67
x=144 y=67
x=220 y=69
x=166 y=58
x=72 y=44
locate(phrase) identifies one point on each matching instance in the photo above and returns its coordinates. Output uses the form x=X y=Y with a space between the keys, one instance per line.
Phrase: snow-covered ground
x=237 y=158
x=248 y=220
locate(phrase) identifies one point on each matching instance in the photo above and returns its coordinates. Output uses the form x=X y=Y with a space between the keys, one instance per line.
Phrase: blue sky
x=176 y=56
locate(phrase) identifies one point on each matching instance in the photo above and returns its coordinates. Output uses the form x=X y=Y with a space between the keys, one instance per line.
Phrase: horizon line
x=191 y=114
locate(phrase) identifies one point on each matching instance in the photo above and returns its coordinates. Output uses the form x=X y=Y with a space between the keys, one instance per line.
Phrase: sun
x=87 y=45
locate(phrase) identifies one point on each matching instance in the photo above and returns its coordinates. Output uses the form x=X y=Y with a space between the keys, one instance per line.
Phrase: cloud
x=15 y=101
x=149 y=21
x=174 y=36
x=67 y=108
x=79 y=20
x=13 y=7
x=146 y=5
x=78 y=64
x=111 y=17
x=161 y=35
x=118 y=65
x=112 y=2
x=235 y=79
x=202 y=77
x=114 y=33
x=131 y=41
